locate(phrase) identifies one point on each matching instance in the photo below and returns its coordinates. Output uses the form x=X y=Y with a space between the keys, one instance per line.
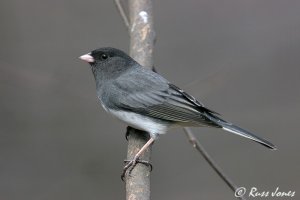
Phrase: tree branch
x=196 y=144
x=141 y=33
x=138 y=182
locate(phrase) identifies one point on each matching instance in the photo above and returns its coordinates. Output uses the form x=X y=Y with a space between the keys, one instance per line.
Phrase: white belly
x=141 y=122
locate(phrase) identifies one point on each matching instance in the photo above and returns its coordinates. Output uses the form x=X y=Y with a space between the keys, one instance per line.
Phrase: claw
x=145 y=162
x=130 y=164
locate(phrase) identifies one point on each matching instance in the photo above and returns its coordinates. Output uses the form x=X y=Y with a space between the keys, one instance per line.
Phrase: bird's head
x=108 y=62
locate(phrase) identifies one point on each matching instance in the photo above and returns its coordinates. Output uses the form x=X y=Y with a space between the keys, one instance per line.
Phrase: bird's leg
x=132 y=163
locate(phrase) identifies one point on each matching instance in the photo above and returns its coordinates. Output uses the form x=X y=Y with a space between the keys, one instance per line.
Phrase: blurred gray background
x=240 y=58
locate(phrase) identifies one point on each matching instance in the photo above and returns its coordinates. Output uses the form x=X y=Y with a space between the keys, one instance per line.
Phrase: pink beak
x=87 y=58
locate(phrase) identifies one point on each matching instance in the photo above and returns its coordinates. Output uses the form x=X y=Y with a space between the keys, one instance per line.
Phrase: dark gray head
x=108 y=63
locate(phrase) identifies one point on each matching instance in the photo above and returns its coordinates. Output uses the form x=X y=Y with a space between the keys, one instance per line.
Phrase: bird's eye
x=104 y=56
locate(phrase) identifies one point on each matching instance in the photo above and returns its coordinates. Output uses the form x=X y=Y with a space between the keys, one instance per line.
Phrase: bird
x=147 y=101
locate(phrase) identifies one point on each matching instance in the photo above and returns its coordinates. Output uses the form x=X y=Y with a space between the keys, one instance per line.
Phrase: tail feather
x=241 y=132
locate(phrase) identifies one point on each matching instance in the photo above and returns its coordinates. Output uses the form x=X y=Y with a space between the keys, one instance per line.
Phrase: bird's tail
x=227 y=126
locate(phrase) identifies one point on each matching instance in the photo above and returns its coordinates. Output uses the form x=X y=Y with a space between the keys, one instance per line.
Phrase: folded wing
x=152 y=95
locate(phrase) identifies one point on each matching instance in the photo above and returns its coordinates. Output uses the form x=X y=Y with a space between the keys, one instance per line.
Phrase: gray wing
x=150 y=94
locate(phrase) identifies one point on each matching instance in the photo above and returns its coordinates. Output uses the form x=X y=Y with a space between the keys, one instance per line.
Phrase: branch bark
x=141 y=49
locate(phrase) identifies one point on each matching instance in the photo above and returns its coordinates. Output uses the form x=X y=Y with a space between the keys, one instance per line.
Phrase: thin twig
x=190 y=135
x=196 y=144
x=122 y=13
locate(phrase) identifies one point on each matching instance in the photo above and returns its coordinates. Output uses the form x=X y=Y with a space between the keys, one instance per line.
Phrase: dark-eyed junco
x=147 y=101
